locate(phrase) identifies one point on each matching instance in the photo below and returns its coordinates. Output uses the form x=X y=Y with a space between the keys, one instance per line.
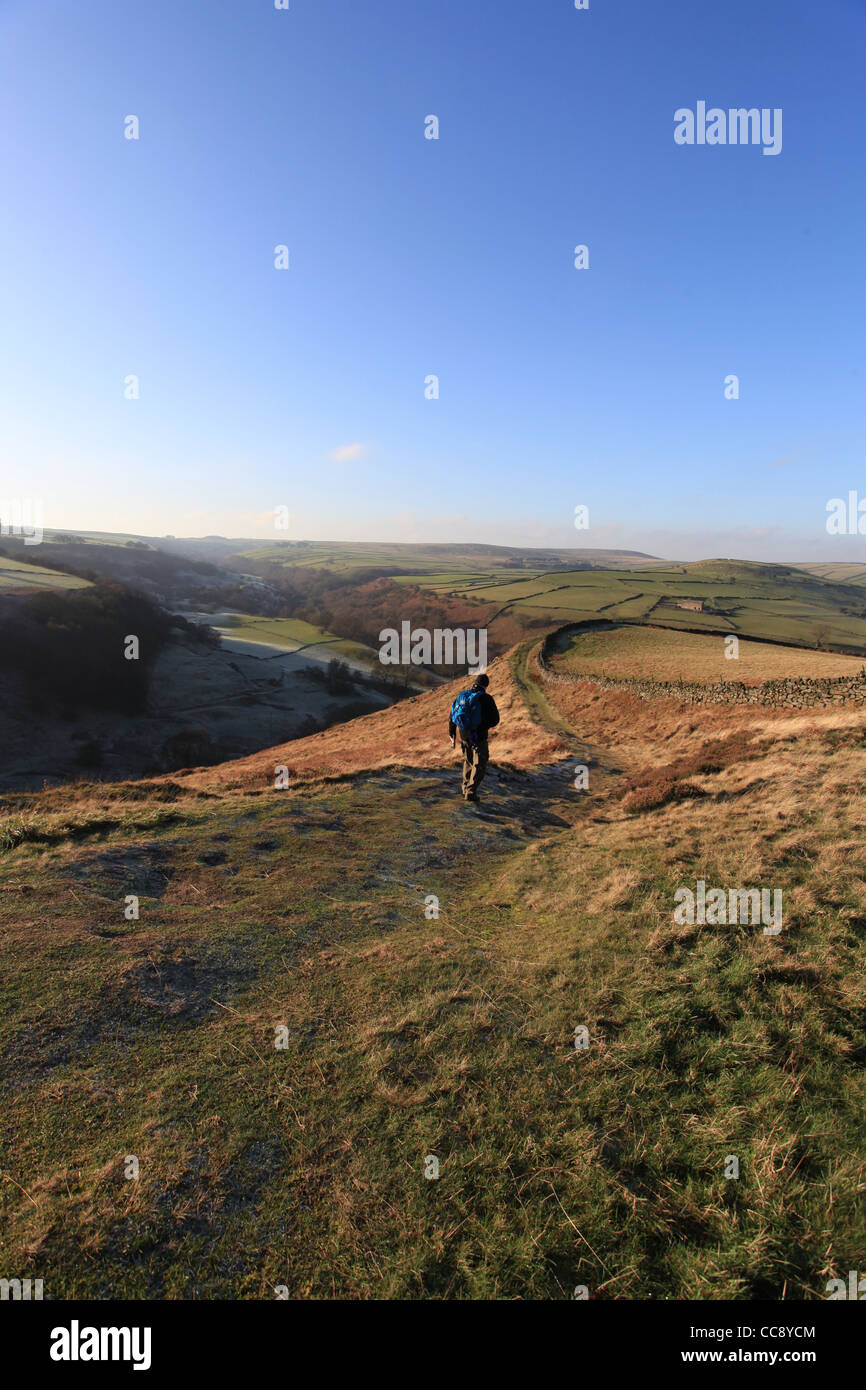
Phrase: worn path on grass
x=408 y=1034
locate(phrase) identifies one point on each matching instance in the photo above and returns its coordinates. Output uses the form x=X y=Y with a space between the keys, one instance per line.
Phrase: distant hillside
x=356 y=590
x=844 y=572
x=363 y=554
x=779 y=602
x=429 y=559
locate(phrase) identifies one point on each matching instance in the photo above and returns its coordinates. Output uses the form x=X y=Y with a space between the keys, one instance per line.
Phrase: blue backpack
x=466 y=714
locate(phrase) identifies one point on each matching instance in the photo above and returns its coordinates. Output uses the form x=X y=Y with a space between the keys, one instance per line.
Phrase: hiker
x=473 y=715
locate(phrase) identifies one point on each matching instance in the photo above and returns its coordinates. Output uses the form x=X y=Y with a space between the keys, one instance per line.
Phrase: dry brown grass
x=664 y=654
x=658 y=792
x=456 y=1036
x=643 y=736
x=413 y=733
x=712 y=756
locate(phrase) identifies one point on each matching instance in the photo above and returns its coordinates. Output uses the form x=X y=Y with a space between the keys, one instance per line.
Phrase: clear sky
x=410 y=257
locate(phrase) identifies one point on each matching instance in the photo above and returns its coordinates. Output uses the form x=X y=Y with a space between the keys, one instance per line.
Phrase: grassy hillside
x=409 y=1035
x=783 y=603
x=18 y=577
x=291 y=634
x=777 y=602
x=513 y=589
x=432 y=560
x=840 y=571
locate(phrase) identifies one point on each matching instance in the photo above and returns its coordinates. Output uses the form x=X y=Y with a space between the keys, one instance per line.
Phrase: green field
x=819 y=605
x=15 y=575
x=290 y=633
x=782 y=603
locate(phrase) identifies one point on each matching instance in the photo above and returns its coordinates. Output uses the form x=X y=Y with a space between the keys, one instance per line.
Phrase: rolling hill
x=328 y=986
x=416 y=558
x=780 y=603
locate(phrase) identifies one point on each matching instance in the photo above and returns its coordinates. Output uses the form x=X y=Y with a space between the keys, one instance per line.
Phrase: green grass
x=15 y=574
x=773 y=602
x=293 y=634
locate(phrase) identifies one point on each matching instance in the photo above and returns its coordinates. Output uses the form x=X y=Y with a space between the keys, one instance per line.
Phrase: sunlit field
x=16 y=576
x=662 y=655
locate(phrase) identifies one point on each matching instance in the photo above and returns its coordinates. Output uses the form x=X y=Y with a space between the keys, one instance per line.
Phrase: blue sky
x=409 y=257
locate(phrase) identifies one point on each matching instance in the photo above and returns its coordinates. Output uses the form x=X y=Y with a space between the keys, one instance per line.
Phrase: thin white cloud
x=349 y=453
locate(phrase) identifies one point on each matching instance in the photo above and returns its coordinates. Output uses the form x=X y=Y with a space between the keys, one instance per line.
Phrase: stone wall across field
x=794 y=693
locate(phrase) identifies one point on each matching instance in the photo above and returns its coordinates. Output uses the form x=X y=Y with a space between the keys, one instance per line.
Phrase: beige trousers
x=474 y=765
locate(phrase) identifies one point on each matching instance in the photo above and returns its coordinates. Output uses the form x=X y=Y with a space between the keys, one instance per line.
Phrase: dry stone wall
x=793 y=693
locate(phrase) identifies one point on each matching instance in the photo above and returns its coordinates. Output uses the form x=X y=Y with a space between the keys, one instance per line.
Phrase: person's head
x=480 y=682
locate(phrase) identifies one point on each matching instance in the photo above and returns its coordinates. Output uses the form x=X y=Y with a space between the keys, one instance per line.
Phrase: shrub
x=189 y=748
x=713 y=756
x=652 y=794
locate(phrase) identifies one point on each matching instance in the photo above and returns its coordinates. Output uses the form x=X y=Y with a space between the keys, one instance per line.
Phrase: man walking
x=473 y=715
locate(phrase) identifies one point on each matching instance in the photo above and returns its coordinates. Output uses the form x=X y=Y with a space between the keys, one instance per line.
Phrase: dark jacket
x=489 y=718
